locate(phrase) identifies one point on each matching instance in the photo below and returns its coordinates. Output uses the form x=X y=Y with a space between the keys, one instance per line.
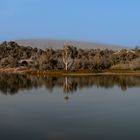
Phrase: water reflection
x=69 y=86
x=87 y=116
x=11 y=84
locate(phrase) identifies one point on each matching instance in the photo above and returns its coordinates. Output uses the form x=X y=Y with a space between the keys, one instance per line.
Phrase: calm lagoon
x=69 y=108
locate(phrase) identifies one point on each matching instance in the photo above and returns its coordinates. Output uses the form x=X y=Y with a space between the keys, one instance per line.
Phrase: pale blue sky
x=104 y=21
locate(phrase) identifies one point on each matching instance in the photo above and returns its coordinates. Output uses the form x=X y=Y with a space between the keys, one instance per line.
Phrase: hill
x=47 y=43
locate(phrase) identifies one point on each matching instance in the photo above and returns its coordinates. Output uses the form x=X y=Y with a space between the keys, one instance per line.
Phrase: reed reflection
x=11 y=84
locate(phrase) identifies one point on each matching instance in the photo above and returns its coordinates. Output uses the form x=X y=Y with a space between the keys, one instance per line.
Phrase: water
x=69 y=108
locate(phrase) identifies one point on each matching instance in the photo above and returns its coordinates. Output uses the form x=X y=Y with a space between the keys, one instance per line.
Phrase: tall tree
x=68 y=56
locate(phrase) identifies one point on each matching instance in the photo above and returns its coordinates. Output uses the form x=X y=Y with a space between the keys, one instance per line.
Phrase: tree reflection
x=11 y=84
x=69 y=86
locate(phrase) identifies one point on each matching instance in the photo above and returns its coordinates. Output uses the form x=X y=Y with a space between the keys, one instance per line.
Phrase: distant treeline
x=68 y=58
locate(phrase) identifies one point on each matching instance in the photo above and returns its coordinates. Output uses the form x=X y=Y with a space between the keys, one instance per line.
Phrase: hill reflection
x=11 y=84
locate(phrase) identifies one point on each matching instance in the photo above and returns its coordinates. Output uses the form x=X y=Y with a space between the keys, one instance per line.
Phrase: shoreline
x=24 y=70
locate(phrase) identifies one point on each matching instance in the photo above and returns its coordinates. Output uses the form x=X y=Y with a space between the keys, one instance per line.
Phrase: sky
x=102 y=21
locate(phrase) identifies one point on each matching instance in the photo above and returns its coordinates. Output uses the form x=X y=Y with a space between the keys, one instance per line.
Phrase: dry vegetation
x=69 y=58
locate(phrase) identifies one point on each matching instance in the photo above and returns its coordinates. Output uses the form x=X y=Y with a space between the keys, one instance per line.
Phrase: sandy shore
x=14 y=70
x=24 y=70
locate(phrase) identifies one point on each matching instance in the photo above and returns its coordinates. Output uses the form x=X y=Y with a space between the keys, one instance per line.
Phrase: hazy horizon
x=73 y=42
x=105 y=22
x=66 y=40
